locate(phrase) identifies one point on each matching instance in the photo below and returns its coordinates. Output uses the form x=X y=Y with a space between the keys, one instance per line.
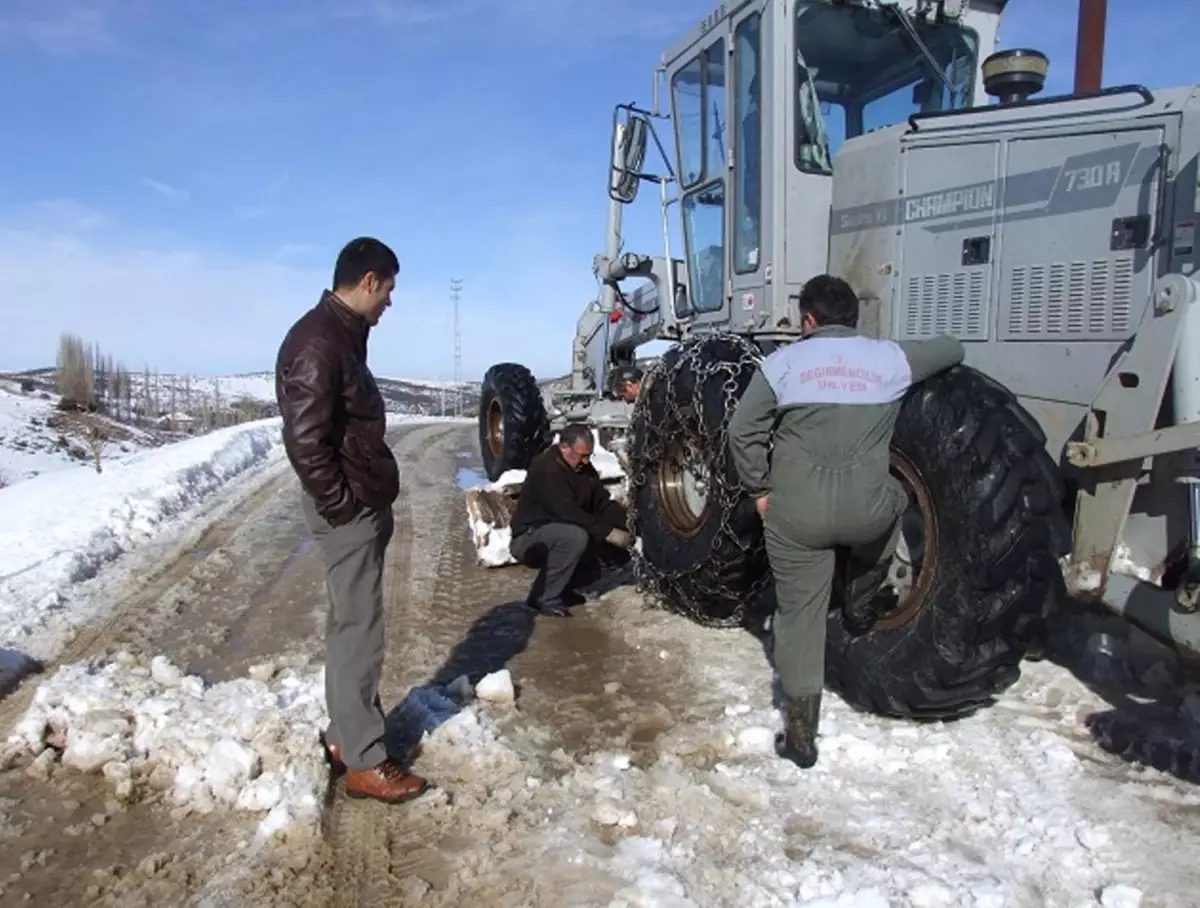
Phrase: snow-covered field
x=31 y=443
x=187 y=393
x=60 y=528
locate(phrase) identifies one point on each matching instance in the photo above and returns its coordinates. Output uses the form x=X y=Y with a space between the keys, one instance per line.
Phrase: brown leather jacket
x=333 y=414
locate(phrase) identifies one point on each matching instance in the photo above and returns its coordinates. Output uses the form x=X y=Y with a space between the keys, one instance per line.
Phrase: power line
x=455 y=292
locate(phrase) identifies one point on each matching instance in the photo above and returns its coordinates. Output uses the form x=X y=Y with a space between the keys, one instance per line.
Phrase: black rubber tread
x=717 y=576
x=526 y=424
x=1001 y=530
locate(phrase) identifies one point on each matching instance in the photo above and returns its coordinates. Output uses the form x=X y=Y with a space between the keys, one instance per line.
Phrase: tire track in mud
x=475 y=842
x=135 y=620
x=246 y=588
x=353 y=865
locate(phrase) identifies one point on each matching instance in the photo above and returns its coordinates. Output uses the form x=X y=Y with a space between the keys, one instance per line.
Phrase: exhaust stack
x=1089 y=46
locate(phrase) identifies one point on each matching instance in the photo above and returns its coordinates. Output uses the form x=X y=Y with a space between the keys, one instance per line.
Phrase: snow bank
x=249 y=744
x=61 y=528
x=30 y=445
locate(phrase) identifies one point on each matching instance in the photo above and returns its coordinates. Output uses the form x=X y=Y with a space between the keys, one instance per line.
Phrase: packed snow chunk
x=756 y=740
x=97 y=737
x=496 y=687
x=162 y=671
x=59 y=529
x=243 y=744
x=229 y=767
x=1120 y=896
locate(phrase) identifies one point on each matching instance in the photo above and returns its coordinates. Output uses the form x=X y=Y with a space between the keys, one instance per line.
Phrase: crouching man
x=813 y=449
x=563 y=513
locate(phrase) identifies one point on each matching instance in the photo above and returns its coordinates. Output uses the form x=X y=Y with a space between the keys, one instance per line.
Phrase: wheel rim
x=682 y=483
x=495 y=428
x=912 y=569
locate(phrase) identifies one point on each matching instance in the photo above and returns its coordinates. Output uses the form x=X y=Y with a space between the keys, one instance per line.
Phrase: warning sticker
x=1185 y=238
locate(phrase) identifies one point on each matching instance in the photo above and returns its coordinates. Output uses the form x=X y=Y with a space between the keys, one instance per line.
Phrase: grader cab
x=1054 y=236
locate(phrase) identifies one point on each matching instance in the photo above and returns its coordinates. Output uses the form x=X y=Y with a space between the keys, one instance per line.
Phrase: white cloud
x=163 y=189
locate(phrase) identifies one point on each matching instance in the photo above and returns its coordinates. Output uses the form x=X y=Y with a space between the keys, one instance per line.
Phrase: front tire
x=988 y=495
x=513 y=425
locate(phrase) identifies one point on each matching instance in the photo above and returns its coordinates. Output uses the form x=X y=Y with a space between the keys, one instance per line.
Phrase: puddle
x=470 y=476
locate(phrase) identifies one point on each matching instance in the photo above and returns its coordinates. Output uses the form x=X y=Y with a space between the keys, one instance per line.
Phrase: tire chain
x=687 y=591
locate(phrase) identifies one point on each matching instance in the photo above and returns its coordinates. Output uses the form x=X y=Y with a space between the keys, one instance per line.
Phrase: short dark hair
x=361 y=256
x=829 y=300
x=575 y=433
x=629 y=373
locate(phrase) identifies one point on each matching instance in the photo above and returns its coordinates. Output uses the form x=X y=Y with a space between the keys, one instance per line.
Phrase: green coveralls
x=813 y=429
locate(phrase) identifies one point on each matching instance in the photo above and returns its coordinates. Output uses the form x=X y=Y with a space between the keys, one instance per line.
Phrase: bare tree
x=74 y=376
x=127 y=390
x=97 y=440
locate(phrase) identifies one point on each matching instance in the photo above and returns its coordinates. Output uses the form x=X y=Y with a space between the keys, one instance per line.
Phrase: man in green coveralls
x=810 y=442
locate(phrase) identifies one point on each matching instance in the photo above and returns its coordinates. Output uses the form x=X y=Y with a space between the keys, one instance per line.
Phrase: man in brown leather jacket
x=334 y=422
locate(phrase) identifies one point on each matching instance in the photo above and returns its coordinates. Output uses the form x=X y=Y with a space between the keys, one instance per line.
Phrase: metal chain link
x=682 y=385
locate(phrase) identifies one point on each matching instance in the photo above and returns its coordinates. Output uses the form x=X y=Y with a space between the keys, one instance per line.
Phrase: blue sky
x=178 y=176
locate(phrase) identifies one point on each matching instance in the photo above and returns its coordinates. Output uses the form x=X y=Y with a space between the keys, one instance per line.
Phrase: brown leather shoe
x=386 y=782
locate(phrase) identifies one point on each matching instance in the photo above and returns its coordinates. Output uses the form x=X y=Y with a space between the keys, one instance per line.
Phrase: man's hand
x=620 y=538
x=760 y=504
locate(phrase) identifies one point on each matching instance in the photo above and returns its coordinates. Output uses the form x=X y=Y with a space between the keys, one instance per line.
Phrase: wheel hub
x=910 y=575
x=682 y=485
x=495 y=428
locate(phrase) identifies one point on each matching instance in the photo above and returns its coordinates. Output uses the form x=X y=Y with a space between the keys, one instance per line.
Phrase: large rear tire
x=513 y=425
x=988 y=533
x=703 y=553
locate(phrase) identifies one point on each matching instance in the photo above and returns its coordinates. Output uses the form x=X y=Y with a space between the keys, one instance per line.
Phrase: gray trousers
x=353 y=556
x=564 y=545
x=802 y=526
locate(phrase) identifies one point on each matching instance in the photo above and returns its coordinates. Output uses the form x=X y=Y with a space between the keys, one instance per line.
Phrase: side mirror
x=629 y=139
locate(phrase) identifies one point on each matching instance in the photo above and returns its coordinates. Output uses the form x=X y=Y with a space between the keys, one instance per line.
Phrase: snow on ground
x=60 y=528
x=30 y=445
x=246 y=744
x=1014 y=807
x=250 y=744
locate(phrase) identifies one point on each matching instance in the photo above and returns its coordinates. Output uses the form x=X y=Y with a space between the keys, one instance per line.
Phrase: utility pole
x=455 y=292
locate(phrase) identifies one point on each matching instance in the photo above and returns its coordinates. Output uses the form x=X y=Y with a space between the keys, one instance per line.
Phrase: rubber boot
x=798 y=741
x=865 y=596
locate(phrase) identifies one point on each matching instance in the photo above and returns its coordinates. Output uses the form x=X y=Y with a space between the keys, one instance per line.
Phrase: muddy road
x=634 y=766
x=251 y=590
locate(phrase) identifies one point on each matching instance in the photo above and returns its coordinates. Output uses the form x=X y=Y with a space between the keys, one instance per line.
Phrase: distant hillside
x=182 y=399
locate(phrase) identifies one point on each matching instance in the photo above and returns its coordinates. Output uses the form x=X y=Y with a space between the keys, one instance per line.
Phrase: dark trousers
x=558 y=549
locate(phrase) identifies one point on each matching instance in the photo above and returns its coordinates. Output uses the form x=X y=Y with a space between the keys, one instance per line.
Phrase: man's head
x=629 y=383
x=575 y=444
x=827 y=300
x=365 y=276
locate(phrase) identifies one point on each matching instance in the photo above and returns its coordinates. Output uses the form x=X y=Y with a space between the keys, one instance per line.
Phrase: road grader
x=887 y=142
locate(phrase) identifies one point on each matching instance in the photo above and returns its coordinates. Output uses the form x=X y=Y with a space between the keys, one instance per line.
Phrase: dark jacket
x=334 y=418
x=554 y=493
